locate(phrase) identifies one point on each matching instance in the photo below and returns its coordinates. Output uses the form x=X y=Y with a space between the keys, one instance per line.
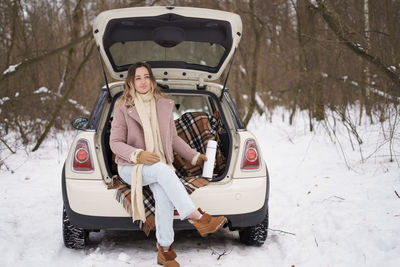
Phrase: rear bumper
x=92 y=222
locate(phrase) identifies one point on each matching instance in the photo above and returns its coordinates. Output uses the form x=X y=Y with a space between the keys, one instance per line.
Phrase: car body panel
x=91 y=197
x=92 y=222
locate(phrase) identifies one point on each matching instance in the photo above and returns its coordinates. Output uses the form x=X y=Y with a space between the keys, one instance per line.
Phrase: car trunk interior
x=198 y=119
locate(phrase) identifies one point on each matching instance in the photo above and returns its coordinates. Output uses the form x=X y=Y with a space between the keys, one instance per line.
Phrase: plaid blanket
x=196 y=129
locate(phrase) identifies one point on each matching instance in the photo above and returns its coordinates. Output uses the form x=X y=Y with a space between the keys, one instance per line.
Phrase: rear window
x=190 y=103
x=168 y=41
x=199 y=53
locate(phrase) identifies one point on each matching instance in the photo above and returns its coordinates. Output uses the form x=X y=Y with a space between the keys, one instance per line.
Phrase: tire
x=74 y=237
x=255 y=235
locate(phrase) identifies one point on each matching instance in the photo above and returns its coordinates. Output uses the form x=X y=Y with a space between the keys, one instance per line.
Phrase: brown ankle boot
x=208 y=224
x=166 y=258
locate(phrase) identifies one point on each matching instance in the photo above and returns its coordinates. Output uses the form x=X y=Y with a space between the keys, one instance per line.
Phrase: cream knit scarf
x=146 y=108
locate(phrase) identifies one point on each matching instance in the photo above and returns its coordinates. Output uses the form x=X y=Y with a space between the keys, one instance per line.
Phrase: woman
x=143 y=138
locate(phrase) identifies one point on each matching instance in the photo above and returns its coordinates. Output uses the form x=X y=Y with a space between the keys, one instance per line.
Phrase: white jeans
x=168 y=192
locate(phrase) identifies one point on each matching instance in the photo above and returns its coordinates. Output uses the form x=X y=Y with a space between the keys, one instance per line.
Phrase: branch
x=280 y=231
x=214 y=252
x=9 y=148
x=62 y=100
x=27 y=62
x=342 y=32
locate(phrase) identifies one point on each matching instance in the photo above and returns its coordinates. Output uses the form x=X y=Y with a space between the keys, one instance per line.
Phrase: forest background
x=328 y=58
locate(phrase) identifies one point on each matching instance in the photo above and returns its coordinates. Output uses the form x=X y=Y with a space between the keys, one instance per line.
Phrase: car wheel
x=74 y=237
x=255 y=235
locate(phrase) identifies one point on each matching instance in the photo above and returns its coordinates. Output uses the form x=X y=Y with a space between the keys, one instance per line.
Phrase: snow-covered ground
x=325 y=210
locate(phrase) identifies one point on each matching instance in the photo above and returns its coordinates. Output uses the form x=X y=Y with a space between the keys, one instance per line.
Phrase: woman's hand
x=201 y=159
x=148 y=158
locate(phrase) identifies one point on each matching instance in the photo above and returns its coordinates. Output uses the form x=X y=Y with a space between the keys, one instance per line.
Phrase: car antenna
x=104 y=73
x=227 y=76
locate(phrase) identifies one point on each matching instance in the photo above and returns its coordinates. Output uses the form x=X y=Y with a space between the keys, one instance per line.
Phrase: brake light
x=251 y=159
x=82 y=159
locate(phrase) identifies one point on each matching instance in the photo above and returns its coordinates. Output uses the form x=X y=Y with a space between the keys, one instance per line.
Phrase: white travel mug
x=208 y=167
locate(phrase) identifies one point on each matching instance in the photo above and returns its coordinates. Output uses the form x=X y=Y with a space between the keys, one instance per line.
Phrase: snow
x=45 y=98
x=124 y=257
x=242 y=69
x=259 y=101
x=79 y=106
x=11 y=68
x=323 y=212
x=4 y=99
x=359 y=46
x=381 y=93
x=41 y=90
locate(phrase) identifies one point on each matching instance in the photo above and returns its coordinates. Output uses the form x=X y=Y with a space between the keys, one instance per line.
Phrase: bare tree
x=319 y=56
x=343 y=32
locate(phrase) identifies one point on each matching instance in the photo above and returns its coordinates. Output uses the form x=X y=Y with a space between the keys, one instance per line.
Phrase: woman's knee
x=125 y=173
x=163 y=170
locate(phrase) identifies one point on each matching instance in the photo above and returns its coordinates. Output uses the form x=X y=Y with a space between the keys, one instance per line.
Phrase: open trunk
x=198 y=118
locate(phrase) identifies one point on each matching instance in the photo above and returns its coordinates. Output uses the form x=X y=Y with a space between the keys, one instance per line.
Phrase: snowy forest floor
x=327 y=208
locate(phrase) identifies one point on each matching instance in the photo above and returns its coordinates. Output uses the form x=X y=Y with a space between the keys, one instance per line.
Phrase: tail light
x=251 y=158
x=82 y=159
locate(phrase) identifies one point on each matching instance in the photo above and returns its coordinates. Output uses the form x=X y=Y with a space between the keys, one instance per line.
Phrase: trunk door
x=178 y=42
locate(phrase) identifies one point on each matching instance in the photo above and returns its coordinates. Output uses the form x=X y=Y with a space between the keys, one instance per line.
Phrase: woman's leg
x=173 y=188
x=168 y=191
x=176 y=193
x=164 y=211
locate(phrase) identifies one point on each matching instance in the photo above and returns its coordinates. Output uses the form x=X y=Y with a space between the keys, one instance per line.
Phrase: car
x=188 y=50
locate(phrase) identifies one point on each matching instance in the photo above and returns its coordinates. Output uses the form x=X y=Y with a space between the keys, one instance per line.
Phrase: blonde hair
x=128 y=96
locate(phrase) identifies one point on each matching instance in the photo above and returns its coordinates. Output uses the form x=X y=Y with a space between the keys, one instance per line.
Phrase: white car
x=188 y=49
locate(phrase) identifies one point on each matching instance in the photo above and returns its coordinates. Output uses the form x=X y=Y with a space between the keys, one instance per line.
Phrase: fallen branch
x=280 y=231
x=9 y=148
x=214 y=252
x=335 y=197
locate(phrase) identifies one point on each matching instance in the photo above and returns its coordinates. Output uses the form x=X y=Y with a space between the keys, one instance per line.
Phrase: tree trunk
x=77 y=21
x=342 y=31
x=365 y=92
x=255 y=58
x=309 y=63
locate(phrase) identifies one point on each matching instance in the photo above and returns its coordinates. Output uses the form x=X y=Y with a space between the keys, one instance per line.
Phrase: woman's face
x=142 y=80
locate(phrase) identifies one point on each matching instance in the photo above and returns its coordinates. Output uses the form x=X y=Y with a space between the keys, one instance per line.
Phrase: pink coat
x=127 y=133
